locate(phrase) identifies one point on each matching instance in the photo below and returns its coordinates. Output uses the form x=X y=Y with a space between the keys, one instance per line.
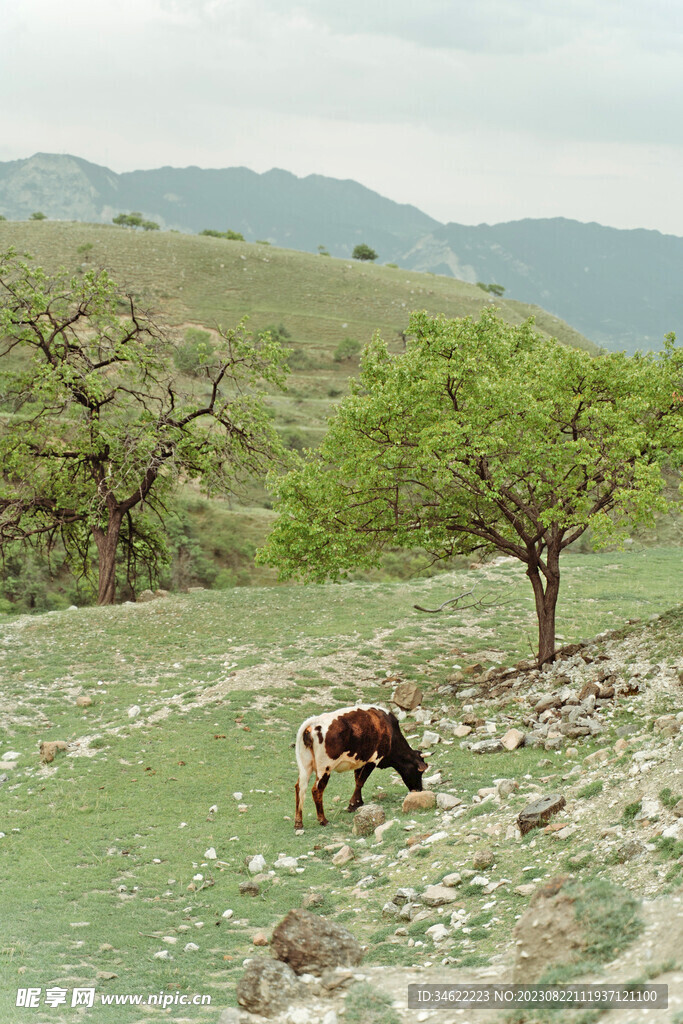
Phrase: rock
x=432 y=780
x=256 y=864
x=50 y=748
x=407 y=696
x=267 y=986
x=230 y=1015
x=421 y=801
x=404 y=895
x=288 y=863
x=144 y=596
x=311 y=943
x=491 y=746
x=589 y=689
x=525 y=889
x=512 y=739
x=547 y=933
x=674 y=831
x=190 y=947
x=483 y=859
x=454 y=878
x=439 y=895
x=678 y=809
x=553 y=742
x=630 y=849
x=343 y=856
x=134 y=711
x=547 y=701
x=461 y=731
x=210 y=854
x=83 y=701
x=597 y=757
x=312 y=899
x=367 y=818
x=620 y=746
x=161 y=593
x=249 y=888
x=505 y=787
x=437 y=933
x=430 y=739
x=538 y=812
x=381 y=829
x=260 y=939
x=333 y=979
x=390 y=910
x=650 y=807
x=446 y=801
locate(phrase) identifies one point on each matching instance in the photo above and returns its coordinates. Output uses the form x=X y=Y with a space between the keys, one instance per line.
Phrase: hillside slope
x=618 y=287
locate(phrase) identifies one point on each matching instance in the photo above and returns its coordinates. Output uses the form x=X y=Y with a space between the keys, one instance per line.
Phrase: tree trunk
x=107 y=543
x=546 y=602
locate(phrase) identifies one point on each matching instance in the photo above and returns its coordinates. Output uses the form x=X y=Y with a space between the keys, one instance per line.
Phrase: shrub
x=346 y=349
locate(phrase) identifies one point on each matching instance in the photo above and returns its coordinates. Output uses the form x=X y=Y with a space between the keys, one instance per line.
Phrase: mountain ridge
x=619 y=287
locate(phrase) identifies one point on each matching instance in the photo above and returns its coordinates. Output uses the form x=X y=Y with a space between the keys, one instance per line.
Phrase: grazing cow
x=361 y=739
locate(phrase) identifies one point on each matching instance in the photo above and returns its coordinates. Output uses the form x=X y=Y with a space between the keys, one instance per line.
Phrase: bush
x=346 y=349
x=193 y=353
x=364 y=252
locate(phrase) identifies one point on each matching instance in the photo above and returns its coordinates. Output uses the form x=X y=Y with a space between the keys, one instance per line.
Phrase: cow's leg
x=317 y=793
x=300 y=792
x=360 y=775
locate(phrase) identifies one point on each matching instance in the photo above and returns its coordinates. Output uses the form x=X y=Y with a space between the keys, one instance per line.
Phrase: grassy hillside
x=133 y=843
x=191 y=282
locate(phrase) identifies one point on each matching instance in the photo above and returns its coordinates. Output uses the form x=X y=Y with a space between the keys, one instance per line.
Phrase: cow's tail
x=306 y=765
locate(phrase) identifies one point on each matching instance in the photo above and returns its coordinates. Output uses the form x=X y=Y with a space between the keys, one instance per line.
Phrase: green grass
x=115 y=836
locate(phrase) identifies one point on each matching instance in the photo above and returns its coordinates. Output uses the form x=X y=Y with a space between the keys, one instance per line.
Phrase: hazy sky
x=472 y=110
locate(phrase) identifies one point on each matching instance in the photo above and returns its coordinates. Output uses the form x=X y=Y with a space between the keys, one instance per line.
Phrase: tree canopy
x=363 y=252
x=98 y=425
x=481 y=436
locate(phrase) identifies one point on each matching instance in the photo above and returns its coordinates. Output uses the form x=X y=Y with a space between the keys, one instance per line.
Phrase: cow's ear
x=422 y=767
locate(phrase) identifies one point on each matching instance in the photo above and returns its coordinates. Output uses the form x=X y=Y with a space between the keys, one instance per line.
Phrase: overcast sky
x=473 y=110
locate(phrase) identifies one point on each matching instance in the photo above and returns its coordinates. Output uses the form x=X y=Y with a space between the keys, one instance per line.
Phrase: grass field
x=195 y=703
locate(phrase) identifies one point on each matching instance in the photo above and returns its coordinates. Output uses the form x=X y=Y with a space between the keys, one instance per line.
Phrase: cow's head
x=412 y=770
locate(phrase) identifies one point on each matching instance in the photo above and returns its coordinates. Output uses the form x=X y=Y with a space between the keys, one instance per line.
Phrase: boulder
x=267 y=987
x=483 y=858
x=512 y=739
x=367 y=818
x=49 y=749
x=446 y=801
x=491 y=746
x=439 y=895
x=310 y=943
x=343 y=856
x=407 y=696
x=421 y=801
x=145 y=595
x=538 y=812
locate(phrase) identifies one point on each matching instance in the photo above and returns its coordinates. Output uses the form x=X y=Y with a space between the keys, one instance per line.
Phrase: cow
x=359 y=738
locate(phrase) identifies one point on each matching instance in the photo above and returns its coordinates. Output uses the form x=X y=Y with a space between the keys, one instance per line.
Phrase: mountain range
x=620 y=288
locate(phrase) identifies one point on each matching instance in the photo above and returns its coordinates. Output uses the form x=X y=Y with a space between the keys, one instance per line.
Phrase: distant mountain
x=619 y=288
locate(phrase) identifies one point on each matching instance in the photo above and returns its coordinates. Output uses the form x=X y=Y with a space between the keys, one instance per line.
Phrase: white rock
x=430 y=739
x=228 y=914
x=11 y=755
x=674 y=831
x=432 y=780
x=434 y=838
x=257 y=864
x=438 y=932
x=237 y=796
x=163 y=954
x=134 y=711
x=343 y=856
x=446 y=801
x=381 y=829
x=171 y=939
x=286 y=862
x=330 y=1017
x=191 y=947
x=210 y=854
x=198 y=878
x=213 y=809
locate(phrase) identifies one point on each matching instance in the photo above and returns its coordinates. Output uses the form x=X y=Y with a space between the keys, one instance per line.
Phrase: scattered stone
x=289 y=863
x=249 y=888
x=421 y=801
x=438 y=932
x=526 y=889
x=256 y=864
x=83 y=701
x=446 y=801
x=260 y=939
x=430 y=739
x=343 y=856
x=432 y=780
x=404 y=895
x=620 y=746
x=537 y=813
x=134 y=711
x=407 y=696
x=49 y=749
x=461 y=731
x=589 y=689
x=381 y=829
x=454 y=878
x=483 y=859
x=505 y=787
x=312 y=899
x=491 y=746
x=163 y=954
x=211 y=854
x=674 y=831
x=190 y=947
x=311 y=943
x=597 y=757
x=333 y=979
x=390 y=910
x=439 y=895
x=547 y=701
x=160 y=592
x=367 y=818
x=144 y=596
x=678 y=808
x=629 y=850
x=649 y=808
x=267 y=986
x=512 y=739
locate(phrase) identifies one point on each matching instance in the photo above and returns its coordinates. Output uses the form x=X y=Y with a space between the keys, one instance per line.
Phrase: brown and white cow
x=357 y=739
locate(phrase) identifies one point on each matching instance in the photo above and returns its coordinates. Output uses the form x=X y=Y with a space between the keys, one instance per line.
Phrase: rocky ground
x=639 y=764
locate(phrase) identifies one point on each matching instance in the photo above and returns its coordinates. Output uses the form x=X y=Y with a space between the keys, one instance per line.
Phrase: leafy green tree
x=494 y=289
x=149 y=225
x=97 y=428
x=232 y=236
x=363 y=252
x=346 y=349
x=38 y=216
x=481 y=436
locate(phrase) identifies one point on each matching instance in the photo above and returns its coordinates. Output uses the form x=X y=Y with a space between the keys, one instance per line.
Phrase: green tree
x=38 y=216
x=128 y=220
x=481 y=436
x=97 y=428
x=363 y=252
